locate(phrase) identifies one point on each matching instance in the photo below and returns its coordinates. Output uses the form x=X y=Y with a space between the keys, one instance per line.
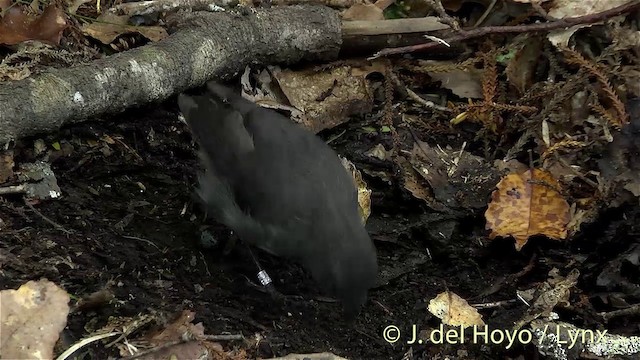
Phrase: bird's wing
x=226 y=149
x=219 y=199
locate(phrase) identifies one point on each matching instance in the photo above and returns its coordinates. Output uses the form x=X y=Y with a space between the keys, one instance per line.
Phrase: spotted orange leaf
x=528 y=204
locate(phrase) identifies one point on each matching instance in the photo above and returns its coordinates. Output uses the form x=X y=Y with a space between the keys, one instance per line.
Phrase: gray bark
x=203 y=46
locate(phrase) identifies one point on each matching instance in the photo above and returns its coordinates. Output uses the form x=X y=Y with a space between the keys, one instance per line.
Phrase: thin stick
x=53 y=223
x=84 y=342
x=487 y=30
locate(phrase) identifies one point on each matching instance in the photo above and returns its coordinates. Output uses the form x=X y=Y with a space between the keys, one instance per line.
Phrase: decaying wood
x=392 y=26
x=330 y=3
x=203 y=46
x=157 y=6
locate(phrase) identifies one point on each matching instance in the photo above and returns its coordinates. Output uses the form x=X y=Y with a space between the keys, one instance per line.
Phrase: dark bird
x=282 y=189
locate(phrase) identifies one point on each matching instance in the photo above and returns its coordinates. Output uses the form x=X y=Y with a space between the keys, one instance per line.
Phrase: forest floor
x=127 y=242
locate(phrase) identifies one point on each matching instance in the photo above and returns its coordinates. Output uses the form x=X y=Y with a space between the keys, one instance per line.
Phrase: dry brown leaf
x=363 y=12
x=176 y=329
x=528 y=204
x=73 y=5
x=416 y=184
x=181 y=339
x=17 y=26
x=454 y=310
x=457 y=178
x=509 y=166
x=522 y=67
x=555 y=291
x=108 y=27
x=464 y=83
x=561 y=9
x=328 y=97
x=379 y=152
x=31 y=319
x=364 y=194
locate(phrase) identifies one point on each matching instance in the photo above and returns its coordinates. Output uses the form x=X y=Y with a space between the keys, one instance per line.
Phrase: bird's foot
x=273 y=292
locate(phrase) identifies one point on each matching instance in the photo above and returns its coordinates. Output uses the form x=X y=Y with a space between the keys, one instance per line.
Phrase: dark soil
x=130 y=219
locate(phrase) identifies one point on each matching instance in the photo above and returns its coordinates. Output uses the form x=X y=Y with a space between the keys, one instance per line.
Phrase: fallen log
x=202 y=46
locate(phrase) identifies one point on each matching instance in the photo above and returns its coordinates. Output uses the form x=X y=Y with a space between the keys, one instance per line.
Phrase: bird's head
x=348 y=269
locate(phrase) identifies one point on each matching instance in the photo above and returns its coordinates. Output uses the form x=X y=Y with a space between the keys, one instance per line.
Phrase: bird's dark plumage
x=282 y=189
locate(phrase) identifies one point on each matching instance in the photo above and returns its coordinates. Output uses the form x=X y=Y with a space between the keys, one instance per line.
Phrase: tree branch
x=203 y=46
x=488 y=30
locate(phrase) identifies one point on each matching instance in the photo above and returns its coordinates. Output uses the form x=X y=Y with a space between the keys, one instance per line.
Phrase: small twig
x=75 y=347
x=437 y=39
x=494 y=304
x=417 y=98
x=141 y=239
x=206 y=267
x=135 y=153
x=430 y=104
x=228 y=337
x=335 y=137
x=130 y=328
x=487 y=30
x=51 y=222
x=578 y=174
x=156 y=349
x=522 y=299
x=178 y=342
x=14 y=189
x=486 y=13
x=391 y=26
x=444 y=17
x=384 y=308
x=631 y=311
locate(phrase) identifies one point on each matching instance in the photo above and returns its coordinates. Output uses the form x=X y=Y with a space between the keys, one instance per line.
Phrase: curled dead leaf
x=364 y=193
x=329 y=96
x=109 y=26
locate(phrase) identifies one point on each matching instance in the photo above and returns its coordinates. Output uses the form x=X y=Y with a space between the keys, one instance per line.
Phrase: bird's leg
x=264 y=278
x=266 y=284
